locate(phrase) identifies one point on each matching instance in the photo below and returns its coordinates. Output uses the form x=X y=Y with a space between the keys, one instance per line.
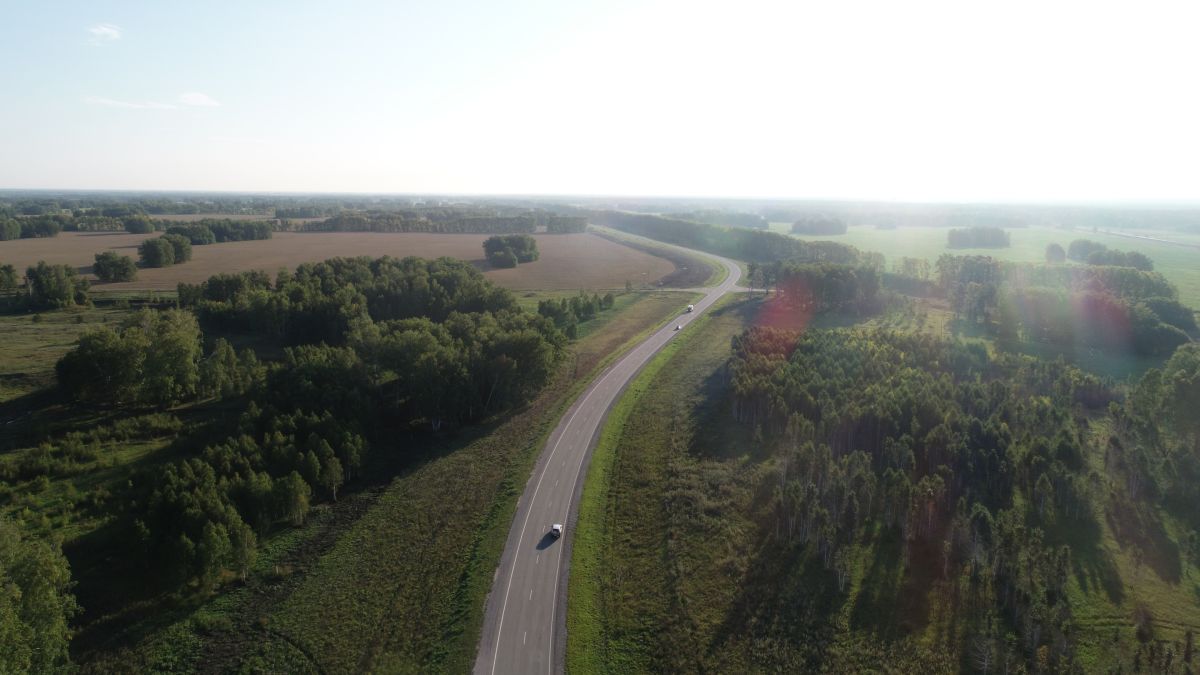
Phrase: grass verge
x=587 y=644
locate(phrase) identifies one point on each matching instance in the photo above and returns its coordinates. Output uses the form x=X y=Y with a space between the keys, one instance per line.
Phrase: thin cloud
x=103 y=33
x=131 y=105
x=197 y=99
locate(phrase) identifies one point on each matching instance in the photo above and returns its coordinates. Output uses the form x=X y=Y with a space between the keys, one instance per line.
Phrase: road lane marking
x=717 y=292
x=524 y=637
x=723 y=289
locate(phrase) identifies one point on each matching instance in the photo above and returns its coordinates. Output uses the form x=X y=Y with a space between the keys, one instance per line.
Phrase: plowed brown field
x=568 y=261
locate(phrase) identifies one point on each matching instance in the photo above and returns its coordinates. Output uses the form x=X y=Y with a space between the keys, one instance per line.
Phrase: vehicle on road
x=556 y=530
x=691 y=308
x=678 y=326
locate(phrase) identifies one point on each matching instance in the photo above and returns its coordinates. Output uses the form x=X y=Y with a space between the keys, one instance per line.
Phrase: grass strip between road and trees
x=585 y=622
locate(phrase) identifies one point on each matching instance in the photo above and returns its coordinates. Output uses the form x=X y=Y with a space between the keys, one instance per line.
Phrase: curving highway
x=524 y=625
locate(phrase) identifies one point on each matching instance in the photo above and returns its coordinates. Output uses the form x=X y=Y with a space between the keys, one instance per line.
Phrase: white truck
x=691 y=308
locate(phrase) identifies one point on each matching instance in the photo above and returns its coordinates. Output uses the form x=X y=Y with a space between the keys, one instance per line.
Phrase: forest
x=940 y=451
x=978 y=237
x=1121 y=309
x=361 y=354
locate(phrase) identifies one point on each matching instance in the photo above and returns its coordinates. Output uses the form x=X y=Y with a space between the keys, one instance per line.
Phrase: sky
x=917 y=101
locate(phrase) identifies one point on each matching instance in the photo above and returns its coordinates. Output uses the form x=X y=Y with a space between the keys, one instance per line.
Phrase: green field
x=1179 y=264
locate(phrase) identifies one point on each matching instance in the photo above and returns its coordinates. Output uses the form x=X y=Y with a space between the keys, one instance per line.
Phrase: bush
x=112 y=267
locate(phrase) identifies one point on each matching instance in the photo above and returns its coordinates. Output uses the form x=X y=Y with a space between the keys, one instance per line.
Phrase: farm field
x=1179 y=264
x=568 y=261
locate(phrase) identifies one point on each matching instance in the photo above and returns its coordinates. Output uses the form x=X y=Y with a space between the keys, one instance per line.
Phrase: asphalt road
x=524 y=625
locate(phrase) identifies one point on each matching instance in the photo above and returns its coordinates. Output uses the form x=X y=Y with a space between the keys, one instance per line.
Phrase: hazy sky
x=891 y=100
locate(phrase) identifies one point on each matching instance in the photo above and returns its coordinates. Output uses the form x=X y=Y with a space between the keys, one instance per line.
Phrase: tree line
x=1116 y=308
x=568 y=313
x=978 y=237
x=933 y=448
x=44 y=286
x=819 y=287
x=1155 y=445
x=446 y=221
x=30 y=228
x=739 y=243
x=1095 y=253
x=220 y=230
x=723 y=218
x=370 y=348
